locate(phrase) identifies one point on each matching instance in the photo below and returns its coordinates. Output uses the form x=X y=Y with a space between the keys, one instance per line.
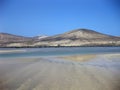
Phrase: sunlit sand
x=79 y=58
x=90 y=72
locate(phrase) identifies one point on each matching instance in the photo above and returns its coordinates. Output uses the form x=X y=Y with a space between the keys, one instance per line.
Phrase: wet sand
x=11 y=51
x=99 y=72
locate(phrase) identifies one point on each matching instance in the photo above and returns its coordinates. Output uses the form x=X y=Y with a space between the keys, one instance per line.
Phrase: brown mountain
x=79 y=37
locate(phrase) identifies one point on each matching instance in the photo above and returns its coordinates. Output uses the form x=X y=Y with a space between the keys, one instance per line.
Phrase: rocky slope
x=79 y=37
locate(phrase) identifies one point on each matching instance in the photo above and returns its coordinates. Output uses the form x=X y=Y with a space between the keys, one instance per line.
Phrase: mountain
x=79 y=37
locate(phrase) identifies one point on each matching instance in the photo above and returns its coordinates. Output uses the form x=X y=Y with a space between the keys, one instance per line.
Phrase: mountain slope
x=40 y=37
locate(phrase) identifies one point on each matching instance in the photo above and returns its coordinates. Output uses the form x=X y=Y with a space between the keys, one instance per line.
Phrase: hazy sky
x=50 y=17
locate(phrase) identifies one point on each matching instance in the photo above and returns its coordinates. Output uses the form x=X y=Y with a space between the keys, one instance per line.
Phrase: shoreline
x=61 y=46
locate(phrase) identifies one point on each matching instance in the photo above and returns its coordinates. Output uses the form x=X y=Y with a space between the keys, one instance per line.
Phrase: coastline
x=59 y=46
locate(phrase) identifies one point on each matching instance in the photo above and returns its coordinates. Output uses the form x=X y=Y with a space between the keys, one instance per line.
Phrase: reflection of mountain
x=79 y=37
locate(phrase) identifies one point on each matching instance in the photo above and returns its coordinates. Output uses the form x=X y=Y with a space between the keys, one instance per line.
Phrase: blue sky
x=50 y=17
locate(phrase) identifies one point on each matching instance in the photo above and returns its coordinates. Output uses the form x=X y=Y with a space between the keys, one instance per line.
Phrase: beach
x=92 y=72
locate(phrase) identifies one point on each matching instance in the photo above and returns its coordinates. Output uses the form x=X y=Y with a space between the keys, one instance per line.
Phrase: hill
x=79 y=37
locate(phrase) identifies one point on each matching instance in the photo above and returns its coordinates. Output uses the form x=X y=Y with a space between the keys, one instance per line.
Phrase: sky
x=51 y=17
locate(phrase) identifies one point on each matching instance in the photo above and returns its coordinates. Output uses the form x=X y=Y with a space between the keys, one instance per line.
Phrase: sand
x=98 y=72
x=11 y=51
x=79 y=58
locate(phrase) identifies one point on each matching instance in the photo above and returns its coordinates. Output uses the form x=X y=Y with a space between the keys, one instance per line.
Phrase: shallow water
x=57 y=51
